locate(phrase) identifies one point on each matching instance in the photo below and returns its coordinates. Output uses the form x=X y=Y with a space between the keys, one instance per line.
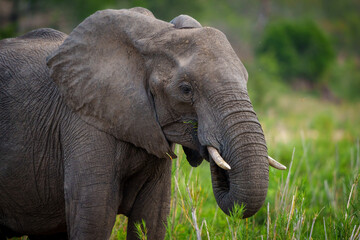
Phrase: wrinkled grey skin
x=87 y=122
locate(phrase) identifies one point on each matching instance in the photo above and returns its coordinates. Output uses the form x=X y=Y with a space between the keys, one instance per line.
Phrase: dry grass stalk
x=189 y=178
x=268 y=222
x=351 y=192
x=193 y=215
x=213 y=221
x=357 y=233
x=324 y=229
x=313 y=222
x=328 y=193
x=285 y=190
x=304 y=158
x=207 y=231
x=183 y=204
x=352 y=233
x=300 y=223
x=291 y=213
x=231 y=232
x=174 y=203
x=358 y=154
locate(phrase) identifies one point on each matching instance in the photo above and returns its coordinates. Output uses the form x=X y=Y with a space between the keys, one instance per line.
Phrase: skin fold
x=87 y=122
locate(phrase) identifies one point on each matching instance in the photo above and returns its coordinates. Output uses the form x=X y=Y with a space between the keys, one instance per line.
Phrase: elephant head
x=153 y=83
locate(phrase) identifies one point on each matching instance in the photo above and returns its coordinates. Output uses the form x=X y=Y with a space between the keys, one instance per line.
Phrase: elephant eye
x=186 y=89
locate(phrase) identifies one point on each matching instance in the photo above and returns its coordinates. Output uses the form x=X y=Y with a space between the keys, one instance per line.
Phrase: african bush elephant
x=87 y=124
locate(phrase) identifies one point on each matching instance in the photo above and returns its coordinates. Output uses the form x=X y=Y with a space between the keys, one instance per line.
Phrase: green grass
x=318 y=196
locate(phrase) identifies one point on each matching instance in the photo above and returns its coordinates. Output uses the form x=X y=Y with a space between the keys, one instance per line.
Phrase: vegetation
x=344 y=79
x=318 y=197
x=323 y=49
x=300 y=48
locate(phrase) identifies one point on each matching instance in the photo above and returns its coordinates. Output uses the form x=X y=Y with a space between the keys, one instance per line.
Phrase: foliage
x=119 y=229
x=263 y=75
x=79 y=10
x=318 y=142
x=318 y=197
x=8 y=31
x=300 y=49
x=343 y=21
x=141 y=230
x=344 y=79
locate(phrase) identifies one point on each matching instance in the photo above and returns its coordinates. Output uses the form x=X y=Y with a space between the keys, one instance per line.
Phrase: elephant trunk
x=243 y=147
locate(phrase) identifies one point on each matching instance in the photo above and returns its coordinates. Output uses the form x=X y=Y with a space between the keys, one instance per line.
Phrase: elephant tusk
x=217 y=158
x=276 y=164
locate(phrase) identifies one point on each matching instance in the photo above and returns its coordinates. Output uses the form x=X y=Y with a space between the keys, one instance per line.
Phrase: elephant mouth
x=204 y=153
x=183 y=131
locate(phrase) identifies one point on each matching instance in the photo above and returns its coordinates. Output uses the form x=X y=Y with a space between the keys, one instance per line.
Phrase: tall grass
x=289 y=213
x=318 y=197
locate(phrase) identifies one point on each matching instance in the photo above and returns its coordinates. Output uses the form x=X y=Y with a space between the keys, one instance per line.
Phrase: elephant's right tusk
x=217 y=158
x=276 y=164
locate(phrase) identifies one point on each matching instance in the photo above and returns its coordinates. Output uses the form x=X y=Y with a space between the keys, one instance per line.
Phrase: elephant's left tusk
x=217 y=158
x=276 y=164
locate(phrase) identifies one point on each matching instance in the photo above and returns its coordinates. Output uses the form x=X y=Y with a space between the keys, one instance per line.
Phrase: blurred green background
x=303 y=59
x=309 y=45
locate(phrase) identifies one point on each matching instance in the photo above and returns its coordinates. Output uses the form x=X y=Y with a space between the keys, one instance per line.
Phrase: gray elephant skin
x=88 y=121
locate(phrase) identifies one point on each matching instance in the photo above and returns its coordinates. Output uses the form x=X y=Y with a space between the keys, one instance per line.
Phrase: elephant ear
x=102 y=76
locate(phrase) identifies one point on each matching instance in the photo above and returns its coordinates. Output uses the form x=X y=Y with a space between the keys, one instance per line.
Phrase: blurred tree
x=344 y=79
x=77 y=10
x=80 y=9
x=9 y=15
x=343 y=20
x=264 y=14
x=301 y=49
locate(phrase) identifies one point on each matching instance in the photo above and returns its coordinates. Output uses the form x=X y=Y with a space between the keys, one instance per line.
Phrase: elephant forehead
x=208 y=36
x=201 y=52
x=215 y=56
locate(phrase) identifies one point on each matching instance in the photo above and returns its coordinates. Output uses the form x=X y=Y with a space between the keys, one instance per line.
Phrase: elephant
x=88 y=122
